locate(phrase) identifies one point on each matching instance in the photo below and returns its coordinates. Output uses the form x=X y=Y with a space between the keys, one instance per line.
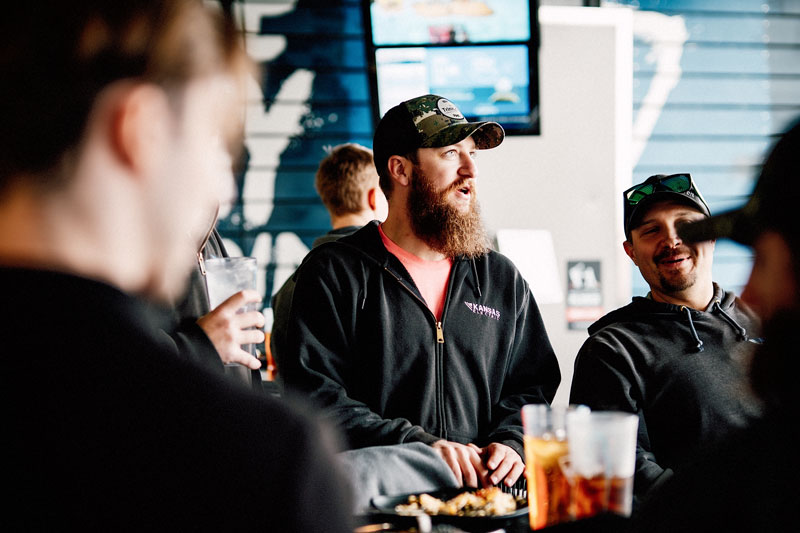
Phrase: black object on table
x=607 y=523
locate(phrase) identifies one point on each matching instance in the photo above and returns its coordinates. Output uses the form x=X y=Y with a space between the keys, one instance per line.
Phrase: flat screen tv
x=480 y=54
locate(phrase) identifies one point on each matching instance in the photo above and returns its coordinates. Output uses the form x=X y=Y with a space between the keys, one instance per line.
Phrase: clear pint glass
x=225 y=277
x=602 y=458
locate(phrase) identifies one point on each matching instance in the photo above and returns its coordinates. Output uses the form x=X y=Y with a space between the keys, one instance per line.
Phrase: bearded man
x=413 y=332
x=677 y=357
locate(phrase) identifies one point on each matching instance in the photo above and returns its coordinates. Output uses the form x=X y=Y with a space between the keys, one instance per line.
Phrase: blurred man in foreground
x=678 y=357
x=113 y=113
x=347 y=183
x=749 y=483
x=413 y=331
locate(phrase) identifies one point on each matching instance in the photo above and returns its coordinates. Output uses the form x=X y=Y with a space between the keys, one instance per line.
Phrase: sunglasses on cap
x=680 y=185
x=673 y=183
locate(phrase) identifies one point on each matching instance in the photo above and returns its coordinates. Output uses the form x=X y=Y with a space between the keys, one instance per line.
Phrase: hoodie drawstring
x=364 y=284
x=729 y=319
x=691 y=326
x=475 y=275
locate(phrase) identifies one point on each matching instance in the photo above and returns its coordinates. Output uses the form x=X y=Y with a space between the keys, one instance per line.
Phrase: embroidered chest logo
x=484 y=310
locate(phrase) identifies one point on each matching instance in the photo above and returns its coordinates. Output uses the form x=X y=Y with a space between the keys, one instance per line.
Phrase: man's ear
x=140 y=126
x=371 y=200
x=400 y=169
x=628 y=247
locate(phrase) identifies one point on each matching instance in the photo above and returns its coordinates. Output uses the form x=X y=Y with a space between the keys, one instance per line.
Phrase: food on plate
x=483 y=502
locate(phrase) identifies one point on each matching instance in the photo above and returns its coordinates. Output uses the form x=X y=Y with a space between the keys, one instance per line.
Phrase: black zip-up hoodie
x=371 y=352
x=683 y=371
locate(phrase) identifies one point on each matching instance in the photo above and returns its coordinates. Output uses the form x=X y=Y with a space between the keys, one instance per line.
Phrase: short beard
x=440 y=225
x=680 y=285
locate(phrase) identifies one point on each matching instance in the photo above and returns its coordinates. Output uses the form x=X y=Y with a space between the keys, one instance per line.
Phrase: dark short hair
x=57 y=57
x=343 y=176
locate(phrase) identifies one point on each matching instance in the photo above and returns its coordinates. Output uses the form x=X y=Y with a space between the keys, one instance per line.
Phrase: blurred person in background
x=749 y=481
x=347 y=184
x=678 y=357
x=213 y=338
x=412 y=334
x=112 y=114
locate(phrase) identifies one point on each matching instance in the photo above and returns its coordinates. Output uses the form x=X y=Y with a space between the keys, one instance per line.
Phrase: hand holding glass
x=228 y=276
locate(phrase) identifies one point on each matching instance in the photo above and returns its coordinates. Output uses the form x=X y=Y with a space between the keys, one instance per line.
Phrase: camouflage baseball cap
x=428 y=121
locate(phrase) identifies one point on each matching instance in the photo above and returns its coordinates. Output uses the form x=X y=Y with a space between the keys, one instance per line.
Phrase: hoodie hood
x=641 y=306
x=724 y=304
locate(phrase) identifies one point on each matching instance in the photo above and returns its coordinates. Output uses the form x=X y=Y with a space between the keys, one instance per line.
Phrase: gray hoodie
x=683 y=371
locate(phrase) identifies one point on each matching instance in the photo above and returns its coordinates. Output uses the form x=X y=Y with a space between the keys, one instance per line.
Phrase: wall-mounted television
x=480 y=54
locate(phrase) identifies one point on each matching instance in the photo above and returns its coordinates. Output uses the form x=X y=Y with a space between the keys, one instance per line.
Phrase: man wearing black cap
x=749 y=482
x=677 y=356
x=414 y=330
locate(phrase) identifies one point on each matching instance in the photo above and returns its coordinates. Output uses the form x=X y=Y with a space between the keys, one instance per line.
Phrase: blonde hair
x=344 y=176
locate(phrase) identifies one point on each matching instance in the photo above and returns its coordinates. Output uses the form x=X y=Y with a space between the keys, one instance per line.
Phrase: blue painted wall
x=736 y=86
x=324 y=39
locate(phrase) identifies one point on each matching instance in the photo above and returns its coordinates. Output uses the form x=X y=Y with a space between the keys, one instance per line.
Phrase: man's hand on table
x=228 y=330
x=501 y=462
x=465 y=462
x=486 y=467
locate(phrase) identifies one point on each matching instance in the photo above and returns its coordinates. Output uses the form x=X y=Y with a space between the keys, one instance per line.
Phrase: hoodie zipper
x=200 y=259
x=438 y=347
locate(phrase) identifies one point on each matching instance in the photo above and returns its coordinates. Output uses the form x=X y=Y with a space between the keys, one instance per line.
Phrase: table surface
x=599 y=524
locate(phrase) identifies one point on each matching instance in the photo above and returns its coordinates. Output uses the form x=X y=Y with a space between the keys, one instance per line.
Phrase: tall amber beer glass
x=545 y=443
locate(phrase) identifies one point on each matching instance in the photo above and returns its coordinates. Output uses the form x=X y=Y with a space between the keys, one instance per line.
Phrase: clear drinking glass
x=225 y=277
x=601 y=462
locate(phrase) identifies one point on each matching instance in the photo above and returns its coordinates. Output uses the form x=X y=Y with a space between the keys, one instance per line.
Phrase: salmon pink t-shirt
x=430 y=277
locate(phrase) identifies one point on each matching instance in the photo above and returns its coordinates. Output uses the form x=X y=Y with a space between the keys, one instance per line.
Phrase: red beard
x=441 y=225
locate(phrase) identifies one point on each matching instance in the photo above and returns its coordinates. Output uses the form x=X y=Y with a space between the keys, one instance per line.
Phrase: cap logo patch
x=448 y=109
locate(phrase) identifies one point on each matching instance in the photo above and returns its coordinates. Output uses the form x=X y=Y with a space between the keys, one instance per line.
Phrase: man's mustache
x=458 y=184
x=671 y=253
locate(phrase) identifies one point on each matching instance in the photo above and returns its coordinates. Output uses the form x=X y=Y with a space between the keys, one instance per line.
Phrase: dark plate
x=386 y=505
